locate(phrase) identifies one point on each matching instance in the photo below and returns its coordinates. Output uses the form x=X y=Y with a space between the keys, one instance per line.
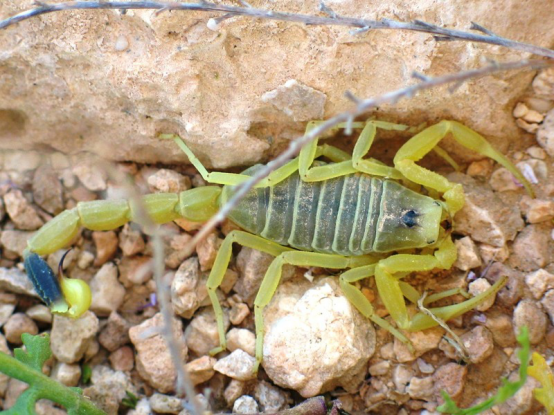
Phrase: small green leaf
x=130 y=401
x=506 y=391
x=38 y=350
x=86 y=374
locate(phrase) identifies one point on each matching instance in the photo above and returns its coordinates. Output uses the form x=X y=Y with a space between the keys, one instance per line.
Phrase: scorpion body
x=354 y=214
x=350 y=215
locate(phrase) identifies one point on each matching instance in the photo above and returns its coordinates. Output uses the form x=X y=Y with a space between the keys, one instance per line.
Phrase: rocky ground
x=501 y=231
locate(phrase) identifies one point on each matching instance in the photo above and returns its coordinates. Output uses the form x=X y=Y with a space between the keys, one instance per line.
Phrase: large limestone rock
x=107 y=82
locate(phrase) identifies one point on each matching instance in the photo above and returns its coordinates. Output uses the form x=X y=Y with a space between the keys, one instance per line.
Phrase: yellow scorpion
x=352 y=213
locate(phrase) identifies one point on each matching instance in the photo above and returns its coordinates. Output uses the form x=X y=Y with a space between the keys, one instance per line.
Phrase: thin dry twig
x=361 y=107
x=331 y=19
x=454 y=340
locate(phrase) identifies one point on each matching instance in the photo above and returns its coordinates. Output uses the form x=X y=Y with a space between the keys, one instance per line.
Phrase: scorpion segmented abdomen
x=336 y=216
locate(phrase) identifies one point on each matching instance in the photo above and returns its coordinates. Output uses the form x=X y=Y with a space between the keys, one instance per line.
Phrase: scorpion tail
x=64 y=296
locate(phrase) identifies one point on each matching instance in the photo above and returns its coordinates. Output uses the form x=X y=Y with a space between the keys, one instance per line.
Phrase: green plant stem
x=46 y=387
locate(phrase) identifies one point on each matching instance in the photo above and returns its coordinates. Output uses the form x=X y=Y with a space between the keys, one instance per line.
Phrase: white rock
x=245 y=405
x=238 y=365
x=67 y=374
x=468 y=255
x=539 y=281
x=270 y=398
x=320 y=323
x=188 y=288
x=480 y=285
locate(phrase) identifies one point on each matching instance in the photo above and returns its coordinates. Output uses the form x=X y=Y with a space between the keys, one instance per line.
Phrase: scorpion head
x=407 y=219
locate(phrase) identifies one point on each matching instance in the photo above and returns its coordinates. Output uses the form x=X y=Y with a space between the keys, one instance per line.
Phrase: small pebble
x=270 y=398
x=168 y=181
x=245 y=405
x=241 y=339
x=539 y=281
x=40 y=313
x=536 y=152
x=479 y=344
x=107 y=292
x=115 y=333
x=21 y=161
x=85 y=259
x=380 y=369
x=421 y=388
x=165 y=404
x=528 y=313
x=92 y=176
x=47 y=190
x=239 y=311
x=543 y=84
x=233 y=391
x=20 y=211
x=71 y=338
x=520 y=110
x=153 y=360
x=201 y=334
x=106 y=246
x=480 y=285
x=188 y=289
x=468 y=255
x=530 y=248
x=537 y=210
x=122 y=359
x=131 y=241
x=201 y=370
x=238 y=365
x=501 y=327
x=18 y=324
x=548 y=304
x=207 y=250
x=401 y=377
x=66 y=374
x=450 y=378
x=422 y=341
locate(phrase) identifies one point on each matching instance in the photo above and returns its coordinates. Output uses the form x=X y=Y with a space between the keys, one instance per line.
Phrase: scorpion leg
x=420 y=144
x=220 y=266
x=392 y=291
x=232 y=179
x=363 y=305
x=357 y=163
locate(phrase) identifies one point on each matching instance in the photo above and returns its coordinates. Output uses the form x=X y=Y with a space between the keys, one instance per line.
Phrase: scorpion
x=351 y=213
